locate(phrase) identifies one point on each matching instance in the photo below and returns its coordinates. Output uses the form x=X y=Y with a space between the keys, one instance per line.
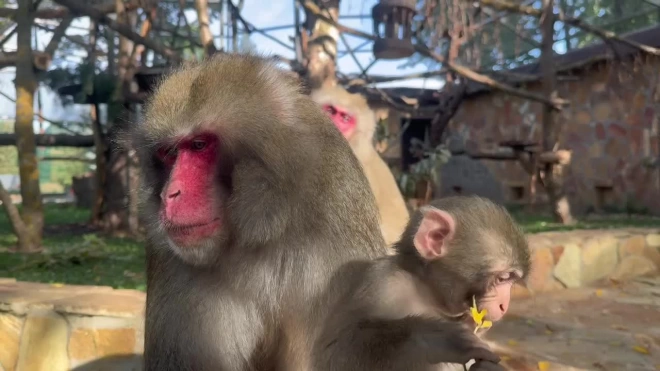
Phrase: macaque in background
x=251 y=200
x=357 y=122
x=411 y=311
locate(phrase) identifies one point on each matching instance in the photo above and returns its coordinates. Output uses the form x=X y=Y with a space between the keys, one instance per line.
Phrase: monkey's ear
x=434 y=233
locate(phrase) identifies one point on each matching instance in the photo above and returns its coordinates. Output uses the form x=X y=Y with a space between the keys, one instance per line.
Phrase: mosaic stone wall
x=611 y=127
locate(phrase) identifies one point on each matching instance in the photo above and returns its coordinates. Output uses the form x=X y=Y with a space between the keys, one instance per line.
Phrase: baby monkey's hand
x=452 y=342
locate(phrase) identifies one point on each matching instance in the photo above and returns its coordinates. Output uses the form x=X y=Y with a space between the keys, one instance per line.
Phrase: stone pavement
x=611 y=327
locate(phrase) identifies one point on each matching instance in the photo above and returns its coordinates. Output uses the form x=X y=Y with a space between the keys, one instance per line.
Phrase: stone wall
x=90 y=328
x=64 y=327
x=611 y=127
x=581 y=258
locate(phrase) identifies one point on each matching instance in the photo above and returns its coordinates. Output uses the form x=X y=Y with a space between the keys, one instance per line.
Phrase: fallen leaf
x=640 y=349
x=599 y=293
x=57 y=284
x=512 y=342
x=505 y=358
x=548 y=332
x=544 y=366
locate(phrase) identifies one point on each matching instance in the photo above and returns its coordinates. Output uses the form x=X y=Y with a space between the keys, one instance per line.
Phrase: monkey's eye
x=330 y=109
x=505 y=277
x=198 y=144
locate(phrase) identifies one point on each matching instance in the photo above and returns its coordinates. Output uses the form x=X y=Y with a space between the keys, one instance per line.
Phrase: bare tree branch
x=603 y=34
x=249 y=28
x=557 y=103
x=100 y=17
x=41 y=60
x=68 y=159
x=356 y=80
x=74 y=39
x=54 y=123
x=8 y=36
x=58 y=13
x=58 y=34
x=17 y=223
x=205 y=34
x=48 y=140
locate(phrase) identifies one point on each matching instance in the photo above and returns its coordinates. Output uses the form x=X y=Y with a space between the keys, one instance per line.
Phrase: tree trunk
x=112 y=57
x=17 y=225
x=205 y=34
x=115 y=216
x=133 y=181
x=97 y=130
x=559 y=204
x=26 y=85
x=115 y=190
x=321 y=49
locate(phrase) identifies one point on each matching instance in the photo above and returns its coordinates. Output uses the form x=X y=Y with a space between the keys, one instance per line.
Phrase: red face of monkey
x=343 y=120
x=190 y=201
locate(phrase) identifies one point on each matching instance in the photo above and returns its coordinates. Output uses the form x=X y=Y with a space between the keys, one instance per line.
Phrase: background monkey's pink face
x=343 y=120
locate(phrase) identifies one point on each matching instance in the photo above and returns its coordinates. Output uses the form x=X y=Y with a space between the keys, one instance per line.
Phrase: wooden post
x=321 y=49
x=26 y=85
x=558 y=201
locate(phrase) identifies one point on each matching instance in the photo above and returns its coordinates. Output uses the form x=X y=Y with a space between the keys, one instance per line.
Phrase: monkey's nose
x=169 y=195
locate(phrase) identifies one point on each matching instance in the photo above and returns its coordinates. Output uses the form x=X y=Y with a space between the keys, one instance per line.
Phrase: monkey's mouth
x=192 y=234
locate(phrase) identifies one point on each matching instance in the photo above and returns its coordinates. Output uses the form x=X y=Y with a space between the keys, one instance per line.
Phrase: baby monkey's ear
x=435 y=232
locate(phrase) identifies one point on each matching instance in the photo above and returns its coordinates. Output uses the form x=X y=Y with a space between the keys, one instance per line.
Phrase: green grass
x=116 y=262
x=537 y=223
x=90 y=259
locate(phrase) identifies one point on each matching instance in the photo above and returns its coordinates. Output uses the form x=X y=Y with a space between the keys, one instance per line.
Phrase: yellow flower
x=478 y=316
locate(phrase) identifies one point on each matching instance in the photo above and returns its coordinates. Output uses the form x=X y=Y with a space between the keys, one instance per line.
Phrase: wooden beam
x=57 y=140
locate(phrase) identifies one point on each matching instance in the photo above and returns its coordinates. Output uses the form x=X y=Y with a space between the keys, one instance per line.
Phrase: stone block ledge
x=67 y=327
x=585 y=257
x=46 y=327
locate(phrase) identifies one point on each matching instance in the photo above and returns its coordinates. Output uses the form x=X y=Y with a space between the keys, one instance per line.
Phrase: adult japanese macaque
x=251 y=199
x=357 y=123
x=411 y=311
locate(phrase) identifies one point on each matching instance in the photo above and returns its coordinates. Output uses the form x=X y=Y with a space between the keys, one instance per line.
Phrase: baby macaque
x=411 y=311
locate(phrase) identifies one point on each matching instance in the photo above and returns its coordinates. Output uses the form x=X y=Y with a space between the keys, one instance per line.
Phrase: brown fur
x=392 y=208
x=249 y=301
x=400 y=312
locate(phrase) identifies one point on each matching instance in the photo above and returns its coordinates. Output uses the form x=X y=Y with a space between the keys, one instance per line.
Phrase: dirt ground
x=612 y=327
